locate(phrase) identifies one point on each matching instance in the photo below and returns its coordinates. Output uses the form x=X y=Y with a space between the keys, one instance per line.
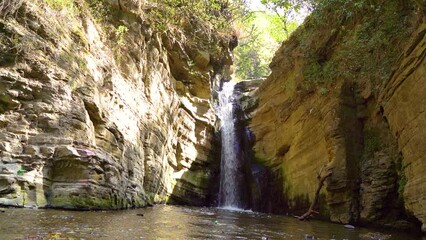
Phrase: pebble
x=309 y=237
x=349 y=226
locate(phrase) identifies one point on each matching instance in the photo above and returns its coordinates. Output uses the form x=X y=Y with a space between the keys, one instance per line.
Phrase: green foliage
x=312 y=73
x=402 y=178
x=120 y=31
x=275 y=27
x=327 y=11
x=323 y=91
x=120 y=41
x=319 y=74
x=82 y=64
x=63 y=4
x=402 y=181
x=366 y=34
x=286 y=9
x=99 y=9
x=213 y=14
x=262 y=34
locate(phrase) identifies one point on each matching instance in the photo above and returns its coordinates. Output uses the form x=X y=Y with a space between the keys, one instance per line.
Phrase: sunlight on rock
x=246 y=105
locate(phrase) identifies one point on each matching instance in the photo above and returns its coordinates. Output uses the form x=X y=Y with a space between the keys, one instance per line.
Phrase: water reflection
x=170 y=222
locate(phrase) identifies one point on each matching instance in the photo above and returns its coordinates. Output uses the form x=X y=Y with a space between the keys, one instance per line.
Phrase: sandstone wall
x=335 y=101
x=404 y=107
x=92 y=116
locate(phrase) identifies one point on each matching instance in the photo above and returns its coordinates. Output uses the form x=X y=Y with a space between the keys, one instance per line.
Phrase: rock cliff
x=346 y=94
x=98 y=109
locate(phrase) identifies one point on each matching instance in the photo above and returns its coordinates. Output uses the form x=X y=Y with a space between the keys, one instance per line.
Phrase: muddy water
x=170 y=222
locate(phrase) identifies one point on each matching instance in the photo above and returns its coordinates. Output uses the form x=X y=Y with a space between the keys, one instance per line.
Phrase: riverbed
x=173 y=222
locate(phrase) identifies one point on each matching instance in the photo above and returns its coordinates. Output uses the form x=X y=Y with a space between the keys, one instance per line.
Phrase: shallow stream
x=172 y=222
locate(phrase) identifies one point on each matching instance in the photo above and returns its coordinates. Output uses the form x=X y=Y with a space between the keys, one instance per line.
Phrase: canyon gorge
x=112 y=110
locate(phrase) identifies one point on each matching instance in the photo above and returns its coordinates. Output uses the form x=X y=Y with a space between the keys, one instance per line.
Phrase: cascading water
x=230 y=195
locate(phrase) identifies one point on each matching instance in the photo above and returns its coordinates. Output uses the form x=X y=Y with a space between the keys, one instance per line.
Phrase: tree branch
x=313 y=209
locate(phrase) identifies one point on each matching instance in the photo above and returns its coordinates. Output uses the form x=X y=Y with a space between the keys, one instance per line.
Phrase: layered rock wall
x=346 y=95
x=105 y=113
x=404 y=108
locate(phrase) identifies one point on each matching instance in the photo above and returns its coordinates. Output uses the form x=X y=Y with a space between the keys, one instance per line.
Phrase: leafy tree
x=286 y=9
x=261 y=35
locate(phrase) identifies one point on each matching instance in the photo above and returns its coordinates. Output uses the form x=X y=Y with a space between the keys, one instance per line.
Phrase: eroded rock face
x=88 y=122
x=404 y=107
x=367 y=132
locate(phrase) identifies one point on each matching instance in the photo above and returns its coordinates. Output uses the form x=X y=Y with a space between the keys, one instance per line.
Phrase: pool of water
x=173 y=222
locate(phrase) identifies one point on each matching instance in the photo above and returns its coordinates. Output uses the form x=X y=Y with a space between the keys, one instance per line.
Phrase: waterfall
x=230 y=192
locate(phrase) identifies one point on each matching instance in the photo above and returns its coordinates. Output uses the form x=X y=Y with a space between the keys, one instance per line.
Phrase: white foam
x=234 y=209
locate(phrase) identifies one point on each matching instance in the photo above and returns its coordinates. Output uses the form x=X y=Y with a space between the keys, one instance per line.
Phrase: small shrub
x=323 y=91
x=120 y=32
x=402 y=181
x=313 y=72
